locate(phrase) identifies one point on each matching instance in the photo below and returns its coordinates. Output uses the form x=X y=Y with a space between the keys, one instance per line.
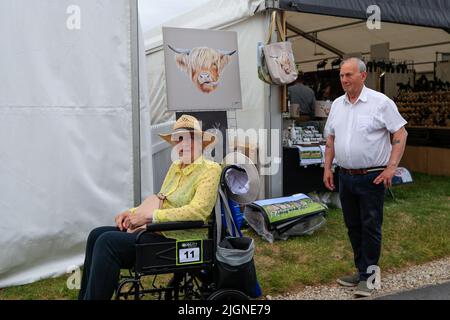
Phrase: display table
x=301 y=179
x=428 y=150
x=436 y=137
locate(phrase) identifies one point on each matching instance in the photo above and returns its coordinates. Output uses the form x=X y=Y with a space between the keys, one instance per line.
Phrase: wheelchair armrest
x=171 y=226
x=179 y=225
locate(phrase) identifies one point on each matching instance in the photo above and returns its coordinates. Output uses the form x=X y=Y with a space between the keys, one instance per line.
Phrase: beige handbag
x=279 y=57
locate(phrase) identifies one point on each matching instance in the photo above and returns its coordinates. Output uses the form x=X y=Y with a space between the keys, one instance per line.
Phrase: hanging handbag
x=263 y=71
x=279 y=57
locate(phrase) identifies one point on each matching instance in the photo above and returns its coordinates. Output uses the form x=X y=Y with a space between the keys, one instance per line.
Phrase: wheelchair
x=191 y=262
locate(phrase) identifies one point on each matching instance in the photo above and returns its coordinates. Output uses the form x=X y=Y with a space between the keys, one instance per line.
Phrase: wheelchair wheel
x=228 y=294
x=133 y=291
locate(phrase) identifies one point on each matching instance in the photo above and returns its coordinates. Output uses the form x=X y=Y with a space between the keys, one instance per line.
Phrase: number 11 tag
x=189 y=252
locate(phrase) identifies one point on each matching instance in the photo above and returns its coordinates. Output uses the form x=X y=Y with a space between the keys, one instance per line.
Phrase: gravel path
x=435 y=272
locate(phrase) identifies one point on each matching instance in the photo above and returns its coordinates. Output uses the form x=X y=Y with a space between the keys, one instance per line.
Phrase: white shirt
x=361 y=130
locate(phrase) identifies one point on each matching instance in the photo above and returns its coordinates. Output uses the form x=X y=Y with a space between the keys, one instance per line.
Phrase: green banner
x=286 y=210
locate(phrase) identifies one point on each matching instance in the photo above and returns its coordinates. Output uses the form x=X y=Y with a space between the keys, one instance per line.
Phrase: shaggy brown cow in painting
x=203 y=65
x=284 y=62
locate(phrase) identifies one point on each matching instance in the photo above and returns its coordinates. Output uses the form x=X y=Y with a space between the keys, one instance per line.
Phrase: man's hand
x=328 y=179
x=398 y=147
x=120 y=219
x=386 y=177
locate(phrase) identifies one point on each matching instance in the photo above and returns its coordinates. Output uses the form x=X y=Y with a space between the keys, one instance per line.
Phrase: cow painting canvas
x=201 y=69
x=203 y=65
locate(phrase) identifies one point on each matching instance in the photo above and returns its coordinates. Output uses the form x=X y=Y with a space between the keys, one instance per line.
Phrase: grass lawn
x=415 y=230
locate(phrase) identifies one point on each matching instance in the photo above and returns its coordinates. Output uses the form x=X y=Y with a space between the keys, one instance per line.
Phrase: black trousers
x=107 y=251
x=362 y=204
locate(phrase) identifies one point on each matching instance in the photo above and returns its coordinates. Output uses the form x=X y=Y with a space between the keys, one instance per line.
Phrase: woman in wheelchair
x=188 y=193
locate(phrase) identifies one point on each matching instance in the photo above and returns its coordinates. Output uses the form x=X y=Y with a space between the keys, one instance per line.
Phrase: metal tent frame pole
x=135 y=101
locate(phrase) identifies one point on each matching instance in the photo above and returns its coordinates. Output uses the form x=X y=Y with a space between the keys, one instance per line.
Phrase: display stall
x=396 y=65
x=321 y=36
x=426 y=107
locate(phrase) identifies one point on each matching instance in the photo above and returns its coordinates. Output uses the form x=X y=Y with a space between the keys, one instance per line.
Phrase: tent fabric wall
x=157 y=88
x=66 y=157
x=254 y=93
x=161 y=153
x=214 y=14
x=146 y=139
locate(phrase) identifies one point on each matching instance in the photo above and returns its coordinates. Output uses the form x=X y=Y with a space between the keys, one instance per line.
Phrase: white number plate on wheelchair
x=189 y=252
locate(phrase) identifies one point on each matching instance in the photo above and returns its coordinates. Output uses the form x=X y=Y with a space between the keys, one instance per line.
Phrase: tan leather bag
x=279 y=56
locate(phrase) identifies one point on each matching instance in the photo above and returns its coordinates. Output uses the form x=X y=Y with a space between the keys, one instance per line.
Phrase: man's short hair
x=361 y=64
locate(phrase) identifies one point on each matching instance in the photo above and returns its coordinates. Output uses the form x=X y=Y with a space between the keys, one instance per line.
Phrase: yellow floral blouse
x=191 y=194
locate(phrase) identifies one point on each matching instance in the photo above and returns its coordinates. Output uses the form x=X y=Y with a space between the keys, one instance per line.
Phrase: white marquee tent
x=72 y=149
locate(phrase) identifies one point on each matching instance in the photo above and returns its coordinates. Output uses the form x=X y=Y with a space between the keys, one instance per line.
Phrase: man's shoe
x=349 y=281
x=362 y=290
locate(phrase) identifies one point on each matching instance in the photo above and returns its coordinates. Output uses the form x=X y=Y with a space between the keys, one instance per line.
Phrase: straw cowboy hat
x=188 y=124
x=240 y=178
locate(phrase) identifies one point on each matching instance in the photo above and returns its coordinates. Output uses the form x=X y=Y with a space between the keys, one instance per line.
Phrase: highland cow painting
x=202 y=69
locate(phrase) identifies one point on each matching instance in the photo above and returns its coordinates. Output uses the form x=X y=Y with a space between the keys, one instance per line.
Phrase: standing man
x=303 y=96
x=358 y=133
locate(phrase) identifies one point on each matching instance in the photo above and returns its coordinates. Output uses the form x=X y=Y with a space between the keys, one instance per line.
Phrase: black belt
x=360 y=171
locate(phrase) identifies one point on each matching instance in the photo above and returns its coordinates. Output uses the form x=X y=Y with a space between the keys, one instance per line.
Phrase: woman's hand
x=144 y=227
x=138 y=219
x=120 y=219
